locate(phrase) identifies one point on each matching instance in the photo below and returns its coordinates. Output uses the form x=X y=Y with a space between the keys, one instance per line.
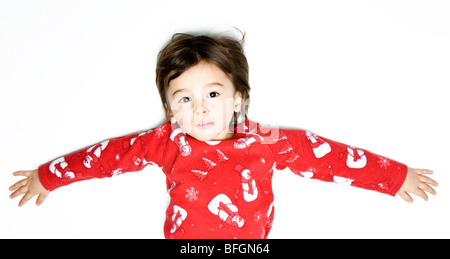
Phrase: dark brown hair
x=187 y=50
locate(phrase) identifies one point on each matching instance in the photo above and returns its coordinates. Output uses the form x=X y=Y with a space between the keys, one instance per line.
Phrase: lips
x=204 y=125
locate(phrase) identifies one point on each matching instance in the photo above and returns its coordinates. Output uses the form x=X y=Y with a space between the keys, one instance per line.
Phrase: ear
x=169 y=113
x=237 y=101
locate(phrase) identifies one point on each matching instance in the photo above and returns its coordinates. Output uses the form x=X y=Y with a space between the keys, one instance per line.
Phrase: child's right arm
x=108 y=158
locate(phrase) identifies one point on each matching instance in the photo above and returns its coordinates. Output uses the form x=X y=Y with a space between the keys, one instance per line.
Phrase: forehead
x=199 y=75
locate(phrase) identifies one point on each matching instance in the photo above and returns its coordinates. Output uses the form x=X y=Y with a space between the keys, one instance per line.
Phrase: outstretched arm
x=106 y=159
x=315 y=157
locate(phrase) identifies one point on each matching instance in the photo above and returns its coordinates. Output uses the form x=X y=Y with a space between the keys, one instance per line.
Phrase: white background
x=374 y=74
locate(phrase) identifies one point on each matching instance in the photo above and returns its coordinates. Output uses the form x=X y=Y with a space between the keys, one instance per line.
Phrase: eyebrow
x=213 y=83
x=179 y=90
x=207 y=85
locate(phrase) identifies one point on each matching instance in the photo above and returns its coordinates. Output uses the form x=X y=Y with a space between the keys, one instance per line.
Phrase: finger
x=18 y=184
x=41 y=198
x=427 y=188
x=22 y=173
x=25 y=198
x=406 y=197
x=424 y=171
x=419 y=192
x=428 y=180
x=18 y=192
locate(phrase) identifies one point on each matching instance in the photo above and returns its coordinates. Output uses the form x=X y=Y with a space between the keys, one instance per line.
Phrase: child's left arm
x=417 y=182
x=312 y=156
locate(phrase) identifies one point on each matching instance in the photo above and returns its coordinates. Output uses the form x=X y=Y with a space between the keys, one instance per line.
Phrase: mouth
x=204 y=125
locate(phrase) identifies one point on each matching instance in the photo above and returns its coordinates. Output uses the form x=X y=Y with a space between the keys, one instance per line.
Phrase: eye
x=213 y=94
x=185 y=100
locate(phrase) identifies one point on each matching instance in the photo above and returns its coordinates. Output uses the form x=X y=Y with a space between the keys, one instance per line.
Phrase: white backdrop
x=374 y=74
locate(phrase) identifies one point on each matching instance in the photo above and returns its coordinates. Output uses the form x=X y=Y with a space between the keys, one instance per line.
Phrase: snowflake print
x=191 y=194
x=384 y=162
x=160 y=131
x=257 y=215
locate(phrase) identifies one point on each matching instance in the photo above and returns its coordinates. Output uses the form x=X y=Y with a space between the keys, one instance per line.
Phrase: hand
x=30 y=186
x=416 y=182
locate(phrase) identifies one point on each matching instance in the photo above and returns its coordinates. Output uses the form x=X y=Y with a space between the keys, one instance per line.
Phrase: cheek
x=183 y=116
x=228 y=108
x=224 y=111
x=179 y=110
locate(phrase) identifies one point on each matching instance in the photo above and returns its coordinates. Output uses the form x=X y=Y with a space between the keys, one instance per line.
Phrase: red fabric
x=222 y=189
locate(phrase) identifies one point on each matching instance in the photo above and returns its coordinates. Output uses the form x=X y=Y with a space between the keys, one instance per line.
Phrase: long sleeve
x=315 y=157
x=108 y=158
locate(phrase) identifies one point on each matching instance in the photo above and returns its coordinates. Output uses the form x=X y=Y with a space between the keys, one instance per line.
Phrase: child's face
x=202 y=101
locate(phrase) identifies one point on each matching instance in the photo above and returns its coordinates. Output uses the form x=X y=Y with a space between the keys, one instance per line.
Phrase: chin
x=203 y=137
x=207 y=135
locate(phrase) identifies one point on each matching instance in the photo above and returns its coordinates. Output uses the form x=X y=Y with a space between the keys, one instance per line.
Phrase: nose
x=200 y=107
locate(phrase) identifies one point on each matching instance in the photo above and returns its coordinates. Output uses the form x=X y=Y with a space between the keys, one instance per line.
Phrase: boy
x=219 y=171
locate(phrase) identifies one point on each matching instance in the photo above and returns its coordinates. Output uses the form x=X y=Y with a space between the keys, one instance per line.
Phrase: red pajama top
x=222 y=189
